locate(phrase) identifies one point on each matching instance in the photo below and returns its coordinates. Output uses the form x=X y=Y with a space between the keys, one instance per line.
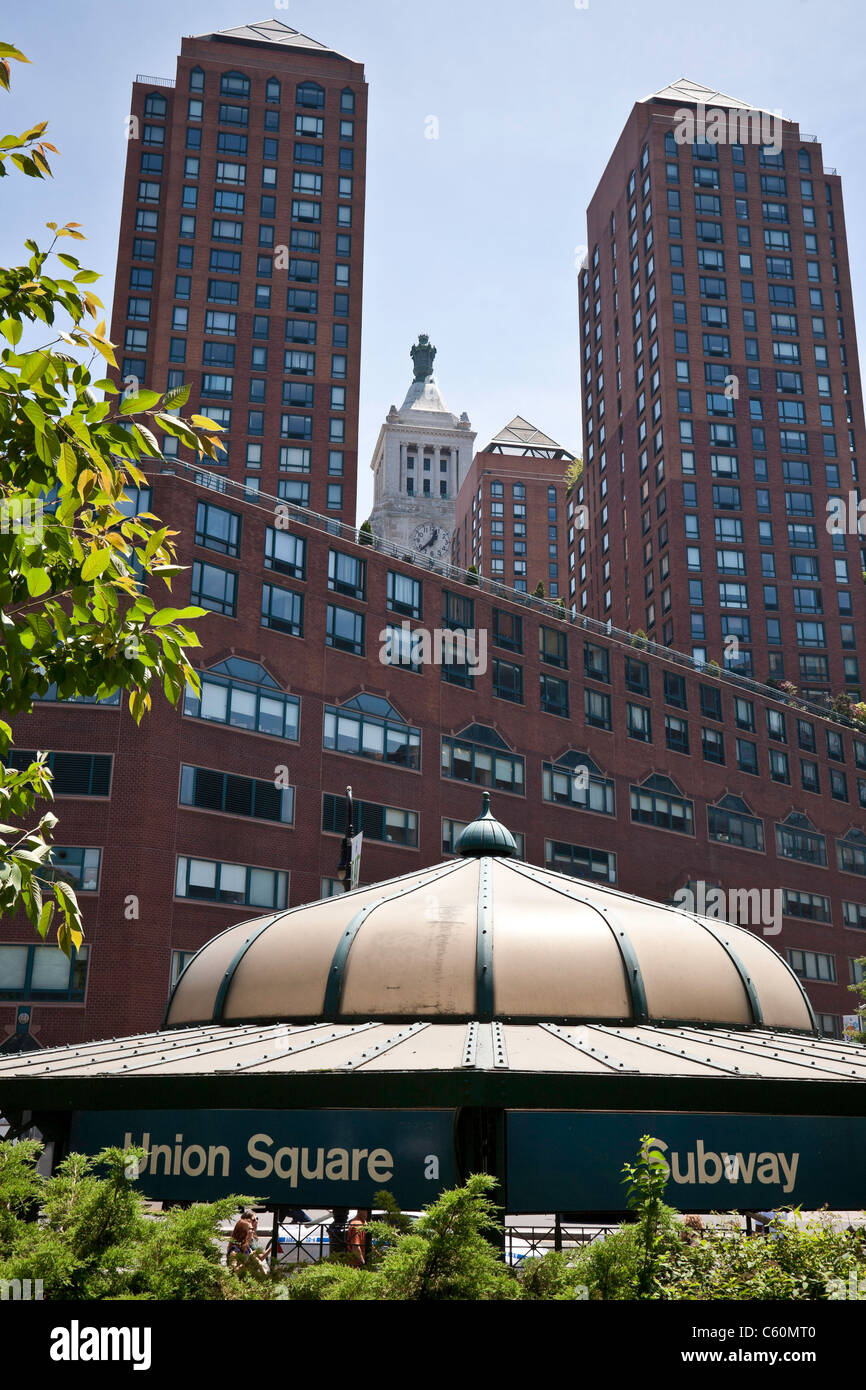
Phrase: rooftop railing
x=154 y=81
x=549 y=608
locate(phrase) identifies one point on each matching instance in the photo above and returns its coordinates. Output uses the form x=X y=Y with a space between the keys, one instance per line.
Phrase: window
x=242 y=694
x=676 y=734
x=813 y=965
x=851 y=852
x=214 y=588
x=507 y=630
x=575 y=780
x=580 y=861
x=675 y=690
x=481 y=756
x=596 y=662
x=404 y=595
x=711 y=702
x=637 y=676
x=731 y=822
x=658 y=802
x=282 y=609
x=638 y=722
x=553 y=647
x=597 y=709
x=217 y=528
x=42 y=972
x=76 y=866
x=854 y=915
x=75 y=774
x=345 y=629
x=310 y=94
x=508 y=681
x=370 y=727
x=209 y=790
x=389 y=824
x=554 y=695
x=796 y=838
x=347 y=575
x=285 y=553
x=214 y=881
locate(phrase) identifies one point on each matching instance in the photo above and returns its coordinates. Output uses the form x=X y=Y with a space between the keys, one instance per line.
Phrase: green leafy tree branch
x=79 y=562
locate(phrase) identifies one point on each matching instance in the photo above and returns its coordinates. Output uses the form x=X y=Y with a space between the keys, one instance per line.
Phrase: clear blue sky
x=470 y=237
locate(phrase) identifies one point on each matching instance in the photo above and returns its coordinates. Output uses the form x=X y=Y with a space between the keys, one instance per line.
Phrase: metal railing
x=154 y=81
x=531 y=1242
x=549 y=608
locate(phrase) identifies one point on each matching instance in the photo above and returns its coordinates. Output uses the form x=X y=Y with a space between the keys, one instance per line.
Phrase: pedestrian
x=337 y=1231
x=357 y=1238
x=239 y=1243
x=254 y=1250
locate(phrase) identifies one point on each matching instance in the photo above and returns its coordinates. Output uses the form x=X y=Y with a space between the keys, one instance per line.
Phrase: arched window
x=155 y=105
x=234 y=84
x=196 y=80
x=671 y=149
x=272 y=90
x=496 y=488
x=518 y=490
x=310 y=94
x=804 y=160
x=347 y=99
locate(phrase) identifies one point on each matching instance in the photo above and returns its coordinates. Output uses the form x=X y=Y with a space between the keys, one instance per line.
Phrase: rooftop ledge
x=549 y=608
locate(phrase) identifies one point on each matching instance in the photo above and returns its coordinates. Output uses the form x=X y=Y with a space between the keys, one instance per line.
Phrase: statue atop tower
x=422 y=354
x=420 y=460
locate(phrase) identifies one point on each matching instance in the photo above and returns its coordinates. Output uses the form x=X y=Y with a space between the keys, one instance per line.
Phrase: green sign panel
x=293 y=1157
x=572 y=1160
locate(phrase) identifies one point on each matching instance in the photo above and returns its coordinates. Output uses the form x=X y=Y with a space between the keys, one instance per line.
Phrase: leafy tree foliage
x=76 y=563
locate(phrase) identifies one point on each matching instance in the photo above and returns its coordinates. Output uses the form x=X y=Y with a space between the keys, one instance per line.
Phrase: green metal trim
x=209 y=942
x=337 y=970
x=745 y=977
x=631 y=965
x=219 y=1002
x=439 y=1090
x=484 y=991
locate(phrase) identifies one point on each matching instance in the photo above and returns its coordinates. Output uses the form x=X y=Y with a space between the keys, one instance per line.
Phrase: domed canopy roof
x=486 y=936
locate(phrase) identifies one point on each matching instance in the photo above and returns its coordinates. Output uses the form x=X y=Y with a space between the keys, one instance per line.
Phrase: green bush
x=95 y=1239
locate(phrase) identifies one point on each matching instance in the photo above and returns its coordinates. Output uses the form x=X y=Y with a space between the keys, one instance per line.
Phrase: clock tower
x=421 y=457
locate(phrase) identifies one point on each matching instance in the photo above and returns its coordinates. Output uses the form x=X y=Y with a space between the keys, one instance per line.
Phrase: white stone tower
x=421 y=457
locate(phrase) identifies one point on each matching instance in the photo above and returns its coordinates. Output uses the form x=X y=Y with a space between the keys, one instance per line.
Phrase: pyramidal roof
x=690 y=93
x=272 y=31
x=520 y=434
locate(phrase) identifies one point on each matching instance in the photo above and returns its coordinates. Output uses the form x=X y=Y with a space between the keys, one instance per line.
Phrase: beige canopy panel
x=488 y=937
x=422 y=1047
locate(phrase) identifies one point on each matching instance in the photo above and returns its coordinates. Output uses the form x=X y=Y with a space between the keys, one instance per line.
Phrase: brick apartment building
x=234 y=806
x=722 y=396
x=609 y=758
x=510 y=520
x=241 y=252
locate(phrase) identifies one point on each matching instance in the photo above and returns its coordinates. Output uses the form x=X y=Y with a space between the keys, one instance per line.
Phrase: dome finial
x=486 y=836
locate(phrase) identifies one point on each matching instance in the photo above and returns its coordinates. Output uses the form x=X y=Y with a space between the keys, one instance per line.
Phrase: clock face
x=431 y=540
